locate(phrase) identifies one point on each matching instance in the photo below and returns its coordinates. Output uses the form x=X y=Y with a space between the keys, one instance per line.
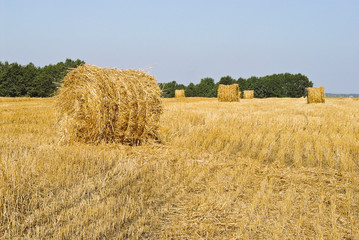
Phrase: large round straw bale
x=228 y=93
x=108 y=105
x=316 y=95
x=179 y=93
x=248 y=94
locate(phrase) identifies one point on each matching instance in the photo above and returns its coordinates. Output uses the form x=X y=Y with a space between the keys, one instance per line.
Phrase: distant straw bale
x=97 y=105
x=316 y=95
x=228 y=93
x=179 y=93
x=248 y=94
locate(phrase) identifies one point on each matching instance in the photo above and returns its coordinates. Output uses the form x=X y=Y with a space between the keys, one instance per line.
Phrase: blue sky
x=189 y=40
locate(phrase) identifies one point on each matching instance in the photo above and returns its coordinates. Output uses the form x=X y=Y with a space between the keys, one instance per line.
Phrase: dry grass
x=228 y=93
x=248 y=94
x=259 y=169
x=108 y=105
x=179 y=93
x=316 y=95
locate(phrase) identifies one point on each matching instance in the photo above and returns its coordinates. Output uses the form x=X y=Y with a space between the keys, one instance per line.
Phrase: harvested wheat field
x=259 y=169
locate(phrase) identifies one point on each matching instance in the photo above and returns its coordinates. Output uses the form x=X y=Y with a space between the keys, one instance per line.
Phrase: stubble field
x=260 y=168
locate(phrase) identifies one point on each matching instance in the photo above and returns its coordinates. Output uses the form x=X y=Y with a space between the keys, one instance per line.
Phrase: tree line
x=28 y=80
x=275 y=85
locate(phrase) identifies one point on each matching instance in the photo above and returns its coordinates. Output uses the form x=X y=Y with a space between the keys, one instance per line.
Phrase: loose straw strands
x=248 y=94
x=228 y=93
x=179 y=93
x=316 y=95
x=108 y=105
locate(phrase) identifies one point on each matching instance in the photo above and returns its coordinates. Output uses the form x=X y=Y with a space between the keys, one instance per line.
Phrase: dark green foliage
x=180 y=87
x=190 y=90
x=44 y=84
x=206 y=88
x=227 y=80
x=14 y=79
x=276 y=85
x=18 y=81
x=242 y=83
x=168 y=89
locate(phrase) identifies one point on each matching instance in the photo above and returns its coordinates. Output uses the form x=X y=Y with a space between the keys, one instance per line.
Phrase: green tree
x=44 y=84
x=17 y=80
x=206 y=88
x=3 y=68
x=227 y=80
x=242 y=83
x=180 y=87
x=253 y=83
x=296 y=85
x=12 y=82
x=168 y=89
x=29 y=74
x=190 y=90
x=278 y=85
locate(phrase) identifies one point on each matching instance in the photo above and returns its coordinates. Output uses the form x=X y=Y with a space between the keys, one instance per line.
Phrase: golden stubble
x=261 y=168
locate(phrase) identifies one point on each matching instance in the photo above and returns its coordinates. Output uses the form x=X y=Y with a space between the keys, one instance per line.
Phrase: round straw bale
x=108 y=105
x=316 y=95
x=228 y=93
x=248 y=94
x=179 y=93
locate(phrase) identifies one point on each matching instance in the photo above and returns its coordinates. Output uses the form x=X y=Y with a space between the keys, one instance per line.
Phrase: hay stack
x=228 y=93
x=248 y=94
x=179 y=93
x=108 y=105
x=316 y=95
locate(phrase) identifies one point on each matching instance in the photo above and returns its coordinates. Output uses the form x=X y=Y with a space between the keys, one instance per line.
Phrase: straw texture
x=248 y=94
x=108 y=105
x=228 y=93
x=316 y=95
x=179 y=93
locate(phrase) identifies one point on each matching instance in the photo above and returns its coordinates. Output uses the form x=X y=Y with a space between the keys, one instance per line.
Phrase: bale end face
x=228 y=93
x=248 y=94
x=316 y=95
x=180 y=93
